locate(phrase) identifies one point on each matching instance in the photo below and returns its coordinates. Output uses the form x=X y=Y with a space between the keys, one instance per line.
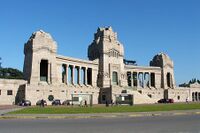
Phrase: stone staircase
x=138 y=98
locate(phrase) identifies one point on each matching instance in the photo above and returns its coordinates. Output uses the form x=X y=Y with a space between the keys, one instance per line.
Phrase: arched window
x=115 y=78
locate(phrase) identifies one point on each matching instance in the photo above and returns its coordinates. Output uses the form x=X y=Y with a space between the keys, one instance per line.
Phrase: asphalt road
x=169 y=124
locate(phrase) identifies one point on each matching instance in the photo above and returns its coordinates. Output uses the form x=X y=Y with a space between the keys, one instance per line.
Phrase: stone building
x=105 y=77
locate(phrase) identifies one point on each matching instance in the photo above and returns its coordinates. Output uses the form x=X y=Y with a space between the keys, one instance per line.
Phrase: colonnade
x=72 y=74
x=196 y=96
x=141 y=79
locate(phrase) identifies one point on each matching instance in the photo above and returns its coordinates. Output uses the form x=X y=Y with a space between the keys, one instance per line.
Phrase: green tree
x=192 y=81
x=10 y=73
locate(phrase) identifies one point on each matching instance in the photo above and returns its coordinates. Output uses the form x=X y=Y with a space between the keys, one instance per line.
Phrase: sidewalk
x=8 y=108
x=100 y=115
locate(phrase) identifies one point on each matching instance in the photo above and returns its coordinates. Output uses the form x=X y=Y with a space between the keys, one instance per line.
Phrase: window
x=0 y=92
x=75 y=98
x=178 y=97
x=9 y=92
x=115 y=78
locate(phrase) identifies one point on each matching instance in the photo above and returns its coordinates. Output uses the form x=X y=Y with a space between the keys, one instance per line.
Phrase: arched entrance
x=169 y=80
x=44 y=70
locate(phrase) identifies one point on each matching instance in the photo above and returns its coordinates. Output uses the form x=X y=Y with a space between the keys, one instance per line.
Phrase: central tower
x=109 y=52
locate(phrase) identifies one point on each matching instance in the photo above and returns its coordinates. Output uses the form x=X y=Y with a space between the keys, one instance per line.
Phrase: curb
x=96 y=116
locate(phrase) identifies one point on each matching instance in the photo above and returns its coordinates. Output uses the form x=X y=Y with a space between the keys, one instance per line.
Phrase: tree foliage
x=192 y=81
x=10 y=73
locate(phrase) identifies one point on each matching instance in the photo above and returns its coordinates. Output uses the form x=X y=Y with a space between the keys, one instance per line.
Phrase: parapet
x=41 y=39
x=161 y=60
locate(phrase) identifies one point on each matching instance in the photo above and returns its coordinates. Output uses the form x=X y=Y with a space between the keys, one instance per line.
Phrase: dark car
x=67 y=102
x=56 y=102
x=170 y=100
x=39 y=103
x=166 y=101
x=25 y=103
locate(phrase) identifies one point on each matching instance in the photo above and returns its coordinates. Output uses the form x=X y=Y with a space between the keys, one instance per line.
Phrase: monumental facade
x=105 y=77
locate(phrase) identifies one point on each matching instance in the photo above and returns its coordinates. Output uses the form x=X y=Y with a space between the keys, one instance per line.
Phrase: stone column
x=49 y=72
x=85 y=75
x=79 y=75
x=66 y=74
x=138 y=83
x=149 y=79
x=72 y=75
x=39 y=63
x=143 y=85
x=132 y=80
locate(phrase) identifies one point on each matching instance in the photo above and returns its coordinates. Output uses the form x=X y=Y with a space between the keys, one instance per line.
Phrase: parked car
x=166 y=101
x=56 y=102
x=25 y=103
x=39 y=102
x=67 y=102
x=170 y=100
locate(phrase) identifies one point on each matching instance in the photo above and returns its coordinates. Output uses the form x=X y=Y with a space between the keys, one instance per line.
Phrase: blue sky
x=145 y=27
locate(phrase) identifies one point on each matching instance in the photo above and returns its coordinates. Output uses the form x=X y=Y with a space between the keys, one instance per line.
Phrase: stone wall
x=62 y=92
x=16 y=90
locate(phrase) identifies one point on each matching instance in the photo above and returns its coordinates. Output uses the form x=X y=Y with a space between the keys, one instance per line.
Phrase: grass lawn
x=103 y=109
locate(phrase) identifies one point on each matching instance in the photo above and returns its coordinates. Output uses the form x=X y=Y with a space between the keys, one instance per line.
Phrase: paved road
x=169 y=124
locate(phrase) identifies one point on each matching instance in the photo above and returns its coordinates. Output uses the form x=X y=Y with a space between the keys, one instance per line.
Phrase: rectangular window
x=9 y=92
x=75 y=98
x=0 y=92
